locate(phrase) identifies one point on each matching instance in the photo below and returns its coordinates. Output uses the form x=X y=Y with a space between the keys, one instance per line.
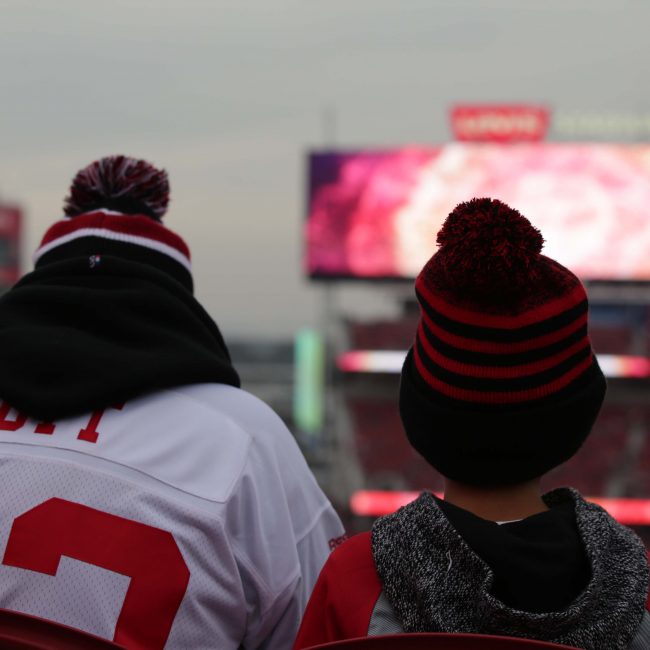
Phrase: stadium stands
x=611 y=462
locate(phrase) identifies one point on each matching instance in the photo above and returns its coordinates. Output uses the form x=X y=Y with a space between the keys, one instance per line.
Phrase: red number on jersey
x=148 y=555
x=10 y=425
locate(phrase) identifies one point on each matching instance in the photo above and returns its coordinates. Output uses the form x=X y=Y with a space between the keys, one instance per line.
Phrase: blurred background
x=313 y=149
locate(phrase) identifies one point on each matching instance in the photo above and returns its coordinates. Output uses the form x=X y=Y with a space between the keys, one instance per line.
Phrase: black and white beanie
x=115 y=206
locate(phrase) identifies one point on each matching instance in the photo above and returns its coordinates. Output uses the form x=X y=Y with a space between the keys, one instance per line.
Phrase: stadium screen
x=10 y=220
x=375 y=214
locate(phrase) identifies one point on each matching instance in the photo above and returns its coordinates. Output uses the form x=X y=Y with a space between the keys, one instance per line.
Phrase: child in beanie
x=500 y=386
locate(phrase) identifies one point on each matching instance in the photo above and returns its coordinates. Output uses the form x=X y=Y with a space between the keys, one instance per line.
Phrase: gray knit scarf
x=436 y=583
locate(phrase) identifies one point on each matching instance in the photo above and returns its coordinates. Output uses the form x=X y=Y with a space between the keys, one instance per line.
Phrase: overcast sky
x=228 y=96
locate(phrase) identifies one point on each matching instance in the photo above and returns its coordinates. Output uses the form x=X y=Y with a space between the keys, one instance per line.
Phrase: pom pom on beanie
x=122 y=184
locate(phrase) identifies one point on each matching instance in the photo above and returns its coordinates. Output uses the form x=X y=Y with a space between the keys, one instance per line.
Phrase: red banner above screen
x=495 y=123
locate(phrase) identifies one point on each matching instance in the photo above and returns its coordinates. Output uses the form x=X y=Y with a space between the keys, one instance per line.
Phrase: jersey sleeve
x=344 y=597
x=277 y=626
x=281 y=526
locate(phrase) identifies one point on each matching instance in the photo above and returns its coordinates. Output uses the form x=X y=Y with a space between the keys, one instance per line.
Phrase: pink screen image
x=375 y=214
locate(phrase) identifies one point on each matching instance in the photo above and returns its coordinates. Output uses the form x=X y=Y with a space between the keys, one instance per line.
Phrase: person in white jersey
x=146 y=498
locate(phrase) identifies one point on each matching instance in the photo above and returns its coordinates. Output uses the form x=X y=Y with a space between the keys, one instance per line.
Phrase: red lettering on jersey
x=337 y=541
x=148 y=555
x=45 y=427
x=89 y=432
x=10 y=425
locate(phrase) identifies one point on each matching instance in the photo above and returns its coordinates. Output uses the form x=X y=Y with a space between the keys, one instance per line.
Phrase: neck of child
x=503 y=503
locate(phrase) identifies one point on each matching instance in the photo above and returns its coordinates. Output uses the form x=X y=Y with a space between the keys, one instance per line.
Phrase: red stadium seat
x=439 y=642
x=23 y=632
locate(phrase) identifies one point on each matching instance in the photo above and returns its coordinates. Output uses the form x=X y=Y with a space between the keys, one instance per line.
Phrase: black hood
x=84 y=333
x=539 y=563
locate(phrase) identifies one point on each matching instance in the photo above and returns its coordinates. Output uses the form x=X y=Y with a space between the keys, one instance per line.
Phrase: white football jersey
x=184 y=519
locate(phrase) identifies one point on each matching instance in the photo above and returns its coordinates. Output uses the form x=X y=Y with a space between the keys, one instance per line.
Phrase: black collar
x=83 y=333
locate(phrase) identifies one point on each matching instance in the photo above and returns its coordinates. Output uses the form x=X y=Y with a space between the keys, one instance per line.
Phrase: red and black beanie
x=501 y=384
x=115 y=207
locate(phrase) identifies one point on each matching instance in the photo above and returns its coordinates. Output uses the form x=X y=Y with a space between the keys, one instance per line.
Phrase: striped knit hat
x=501 y=384
x=115 y=207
